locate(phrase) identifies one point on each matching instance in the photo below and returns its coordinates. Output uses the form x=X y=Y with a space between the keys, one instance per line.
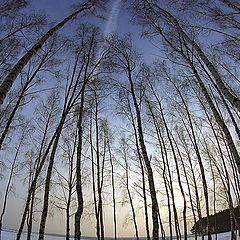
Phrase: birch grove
x=114 y=137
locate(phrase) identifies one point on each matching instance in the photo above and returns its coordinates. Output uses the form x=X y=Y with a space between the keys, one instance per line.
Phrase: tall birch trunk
x=70 y=187
x=9 y=182
x=142 y=170
x=178 y=172
x=40 y=163
x=78 y=214
x=70 y=99
x=166 y=181
x=30 y=216
x=125 y=154
x=234 y=100
x=93 y=181
x=188 y=185
x=20 y=98
x=99 y=176
x=204 y=90
x=155 y=208
x=15 y=71
x=47 y=184
x=113 y=189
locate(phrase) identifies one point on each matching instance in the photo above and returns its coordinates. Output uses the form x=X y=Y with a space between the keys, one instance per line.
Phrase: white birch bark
x=234 y=100
x=15 y=71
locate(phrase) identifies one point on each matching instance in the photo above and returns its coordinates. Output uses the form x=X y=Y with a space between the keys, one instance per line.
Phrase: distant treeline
x=219 y=222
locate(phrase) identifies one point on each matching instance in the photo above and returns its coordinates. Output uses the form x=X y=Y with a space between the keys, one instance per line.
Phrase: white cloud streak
x=113 y=17
x=111 y=24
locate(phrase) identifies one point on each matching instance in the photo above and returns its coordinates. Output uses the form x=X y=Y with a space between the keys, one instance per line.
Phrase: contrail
x=112 y=19
x=111 y=24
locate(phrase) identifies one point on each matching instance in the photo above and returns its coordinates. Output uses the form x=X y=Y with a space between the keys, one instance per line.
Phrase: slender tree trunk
x=166 y=184
x=93 y=183
x=21 y=96
x=142 y=171
x=124 y=146
x=37 y=173
x=26 y=209
x=99 y=187
x=178 y=173
x=15 y=71
x=71 y=98
x=155 y=208
x=235 y=101
x=214 y=199
x=9 y=184
x=199 y=158
x=144 y=193
x=198 y=204
x=188 y=184
x=68 y=214
x=30 y=212
x=113 y=190
x=163 y=147
x=79 y=211
x=47 y=185
x=30 y=216
x=168 y=200
x=49 y=173
x=70 y=189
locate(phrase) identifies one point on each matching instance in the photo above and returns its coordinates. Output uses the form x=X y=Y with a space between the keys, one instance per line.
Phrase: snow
x=12 y=236
x=220 y=236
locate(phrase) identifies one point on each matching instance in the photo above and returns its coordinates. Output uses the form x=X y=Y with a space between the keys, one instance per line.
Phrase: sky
x=116 y=17
x=117 y=20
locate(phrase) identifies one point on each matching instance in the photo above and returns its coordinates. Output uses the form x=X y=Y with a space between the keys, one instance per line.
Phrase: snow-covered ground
x=220 y=236
x=12 y=236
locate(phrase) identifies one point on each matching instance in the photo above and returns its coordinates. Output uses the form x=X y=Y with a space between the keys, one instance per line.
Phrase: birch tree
x=124 y=58
x=15 y=71
x=183 y=47
x=30 y=80
x=22 y=140
x=84 y=70
x=46 y=116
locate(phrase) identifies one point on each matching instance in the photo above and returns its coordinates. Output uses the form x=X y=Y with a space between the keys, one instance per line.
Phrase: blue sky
x=122 y=24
